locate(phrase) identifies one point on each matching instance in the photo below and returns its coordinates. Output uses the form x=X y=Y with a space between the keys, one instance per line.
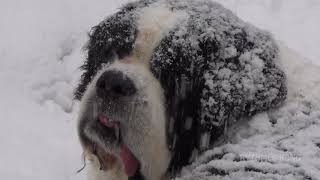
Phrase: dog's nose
x=115 y=84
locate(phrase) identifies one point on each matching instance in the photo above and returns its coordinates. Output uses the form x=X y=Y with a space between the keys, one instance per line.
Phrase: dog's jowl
x=162 y=81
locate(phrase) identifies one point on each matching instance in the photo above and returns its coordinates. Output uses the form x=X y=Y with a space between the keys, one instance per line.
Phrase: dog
x=163 y=79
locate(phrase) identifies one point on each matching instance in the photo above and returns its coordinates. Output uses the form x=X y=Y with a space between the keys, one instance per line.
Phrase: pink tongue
x=130 y=162
x=105 y=121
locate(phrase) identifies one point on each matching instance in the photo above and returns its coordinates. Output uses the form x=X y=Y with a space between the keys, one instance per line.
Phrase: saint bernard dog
x=163 y=79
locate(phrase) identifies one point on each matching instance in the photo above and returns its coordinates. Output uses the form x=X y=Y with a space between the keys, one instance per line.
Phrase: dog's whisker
x=84 y=163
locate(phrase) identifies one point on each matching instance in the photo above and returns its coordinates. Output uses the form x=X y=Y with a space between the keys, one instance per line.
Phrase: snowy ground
x=40 y=52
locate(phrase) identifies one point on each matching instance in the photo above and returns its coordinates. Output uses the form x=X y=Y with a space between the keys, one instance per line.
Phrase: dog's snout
x=115 y=84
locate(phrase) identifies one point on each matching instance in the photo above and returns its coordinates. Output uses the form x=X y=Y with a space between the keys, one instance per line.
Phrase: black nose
x=115 y=84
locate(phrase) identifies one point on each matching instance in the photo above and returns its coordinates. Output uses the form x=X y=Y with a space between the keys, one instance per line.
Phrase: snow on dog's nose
x=114 y=84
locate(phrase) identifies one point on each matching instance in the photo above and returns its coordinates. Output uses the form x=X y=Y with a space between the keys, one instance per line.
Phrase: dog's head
x=162 y=78
x=123 y=111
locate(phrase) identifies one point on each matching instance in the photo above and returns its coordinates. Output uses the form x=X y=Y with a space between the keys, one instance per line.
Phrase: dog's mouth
x=110 y=130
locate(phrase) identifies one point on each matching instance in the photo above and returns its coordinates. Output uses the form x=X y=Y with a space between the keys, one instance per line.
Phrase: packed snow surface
x=41 y=50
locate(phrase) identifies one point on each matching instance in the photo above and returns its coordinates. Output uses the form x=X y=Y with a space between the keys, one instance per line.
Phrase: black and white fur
x=196 y=68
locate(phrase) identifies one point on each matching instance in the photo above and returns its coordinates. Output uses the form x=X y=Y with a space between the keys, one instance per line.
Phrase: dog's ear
x=182 y=88
x=244 y=84
x=215 y=82
x=240 y=85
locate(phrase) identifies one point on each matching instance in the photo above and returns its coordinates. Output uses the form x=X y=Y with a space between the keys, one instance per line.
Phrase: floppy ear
x=242 y=86
x=244 y=79
x=207 y=86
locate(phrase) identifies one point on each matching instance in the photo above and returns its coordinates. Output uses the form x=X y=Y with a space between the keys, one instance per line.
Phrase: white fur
x=146 y=136
x=115 y=173
x=154 y=23
x=94 y=172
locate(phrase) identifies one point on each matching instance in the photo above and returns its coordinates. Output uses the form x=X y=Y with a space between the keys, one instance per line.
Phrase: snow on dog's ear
x=247 y=81
x=214 y=68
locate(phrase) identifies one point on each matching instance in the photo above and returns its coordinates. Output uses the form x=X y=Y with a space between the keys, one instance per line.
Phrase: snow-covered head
x=163 y=78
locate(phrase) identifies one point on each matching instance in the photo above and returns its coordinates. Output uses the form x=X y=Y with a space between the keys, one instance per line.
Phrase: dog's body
x=162 y=81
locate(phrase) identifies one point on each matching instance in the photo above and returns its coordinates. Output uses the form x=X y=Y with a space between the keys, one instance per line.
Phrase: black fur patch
x=115 y=36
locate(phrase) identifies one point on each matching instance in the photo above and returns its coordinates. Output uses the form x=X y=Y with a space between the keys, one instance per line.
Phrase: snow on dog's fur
x=163 y=79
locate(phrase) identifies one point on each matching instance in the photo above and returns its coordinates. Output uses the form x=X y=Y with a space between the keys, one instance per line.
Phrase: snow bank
x=40 y=52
